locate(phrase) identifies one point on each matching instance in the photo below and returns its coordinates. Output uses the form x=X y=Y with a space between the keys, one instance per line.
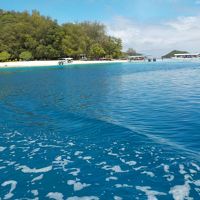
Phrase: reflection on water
x=120 y=131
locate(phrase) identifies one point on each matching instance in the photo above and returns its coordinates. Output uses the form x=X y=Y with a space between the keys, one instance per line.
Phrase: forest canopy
x=31 y=36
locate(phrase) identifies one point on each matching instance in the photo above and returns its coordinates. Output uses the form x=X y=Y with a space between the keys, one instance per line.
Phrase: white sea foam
x=130 y=163
x=192 y=171
x=26 y=169
x=123 y=186
x=13 y=185
x=71 y=144
x=196 y=166
x=113 y=154
x=12 y=147
x=115 y=168
x=197 y=183
x=111 y=178
x=38 y=178
x=101 y=163
x=48 y=145
x=2 y=167
x=77 y=153
x=9 y=163
x=34 y=192
x=35 y=150
x=180 y=192
x=117 y=198
x=198 y=191
x=166 y=168
x=151 y=194
x=55 y=195
x=83 y=198
x=169 y=177
x=87 y=158
x=2 y=148
x=71 y=182
x=138 y=152
x=75 y=172
x=77 y=185
x=188 y=178
x=13 y=134
x=181 y=169
x=151 y=174
x=61 y=163
x=58 y=158
x=139 y=168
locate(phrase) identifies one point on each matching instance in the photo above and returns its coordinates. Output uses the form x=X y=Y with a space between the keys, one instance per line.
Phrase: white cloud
x=156 y=39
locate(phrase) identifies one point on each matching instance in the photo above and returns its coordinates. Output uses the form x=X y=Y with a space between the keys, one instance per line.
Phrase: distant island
x=172 y=54
x=31 y=36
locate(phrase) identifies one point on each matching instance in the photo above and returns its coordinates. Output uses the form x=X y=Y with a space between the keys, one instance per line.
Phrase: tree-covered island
x=31 y=36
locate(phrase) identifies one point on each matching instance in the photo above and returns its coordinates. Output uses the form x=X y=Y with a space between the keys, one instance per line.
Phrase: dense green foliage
x=172 y=53
x=97 y=51
x=32 y=36
x=4 y=56
x=25 y=55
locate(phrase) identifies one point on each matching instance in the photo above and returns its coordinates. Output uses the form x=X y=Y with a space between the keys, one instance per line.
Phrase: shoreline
x=18 y=64
x=51 y=63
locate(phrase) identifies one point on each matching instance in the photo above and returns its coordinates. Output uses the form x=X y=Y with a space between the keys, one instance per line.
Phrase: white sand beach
x=52 y=63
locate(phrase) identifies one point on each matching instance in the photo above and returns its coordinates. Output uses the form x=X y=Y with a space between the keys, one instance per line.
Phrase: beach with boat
x=53 y=63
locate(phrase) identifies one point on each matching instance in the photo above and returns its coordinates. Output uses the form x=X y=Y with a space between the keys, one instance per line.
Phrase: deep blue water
x=115 y=131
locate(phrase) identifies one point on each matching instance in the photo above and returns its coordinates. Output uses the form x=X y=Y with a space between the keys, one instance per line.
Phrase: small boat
x=64 y=61
x=136 y=58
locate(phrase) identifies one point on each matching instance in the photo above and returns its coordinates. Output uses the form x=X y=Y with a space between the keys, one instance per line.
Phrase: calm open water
x=115 y=131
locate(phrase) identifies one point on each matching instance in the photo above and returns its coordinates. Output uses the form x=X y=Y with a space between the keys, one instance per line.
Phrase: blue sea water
x=107 y=131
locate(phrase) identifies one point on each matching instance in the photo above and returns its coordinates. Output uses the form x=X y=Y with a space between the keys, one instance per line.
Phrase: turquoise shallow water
x=115 y=131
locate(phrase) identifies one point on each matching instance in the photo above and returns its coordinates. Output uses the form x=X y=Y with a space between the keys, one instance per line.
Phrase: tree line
x=31 y=36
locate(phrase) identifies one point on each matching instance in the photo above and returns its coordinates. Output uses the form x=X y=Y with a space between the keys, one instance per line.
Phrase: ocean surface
x=107 y=131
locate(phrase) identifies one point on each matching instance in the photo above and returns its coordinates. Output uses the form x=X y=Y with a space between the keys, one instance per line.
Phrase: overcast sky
x=152 y=27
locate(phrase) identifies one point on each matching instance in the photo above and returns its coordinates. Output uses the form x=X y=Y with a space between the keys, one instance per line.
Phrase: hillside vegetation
x=172 y=53
x=30 y=36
